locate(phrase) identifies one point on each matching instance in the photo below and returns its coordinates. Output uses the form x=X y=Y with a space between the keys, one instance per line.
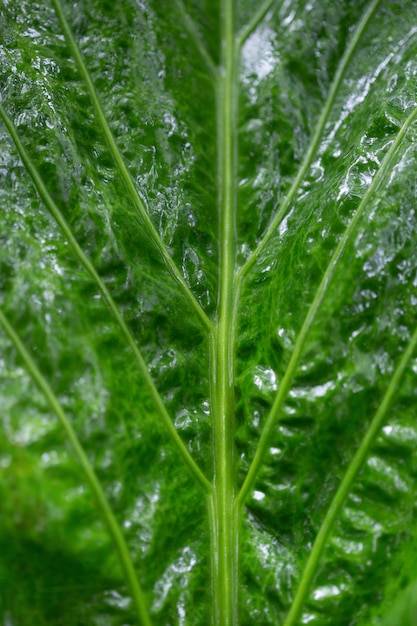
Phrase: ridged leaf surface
x=208 y=222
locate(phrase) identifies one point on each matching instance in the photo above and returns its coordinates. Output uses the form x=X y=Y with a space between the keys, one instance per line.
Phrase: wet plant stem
x=223 y=521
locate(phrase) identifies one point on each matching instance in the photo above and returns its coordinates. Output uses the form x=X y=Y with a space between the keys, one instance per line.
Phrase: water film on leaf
x=208 y=313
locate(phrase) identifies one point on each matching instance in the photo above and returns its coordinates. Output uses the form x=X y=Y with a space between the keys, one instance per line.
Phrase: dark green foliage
x=58 y=566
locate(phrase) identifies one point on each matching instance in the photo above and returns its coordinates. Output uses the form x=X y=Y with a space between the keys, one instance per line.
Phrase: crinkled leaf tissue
x=208 y=291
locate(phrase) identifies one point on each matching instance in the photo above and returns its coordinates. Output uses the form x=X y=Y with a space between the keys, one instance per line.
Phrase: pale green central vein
x=85 y=261
x=385 y=168
x=125 y=174
x=107 y=513
x=223 y=520
x=346 y=485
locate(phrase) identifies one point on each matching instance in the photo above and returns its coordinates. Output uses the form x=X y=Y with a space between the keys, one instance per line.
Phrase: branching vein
x=85 y=261
x=346 y=485
x=124 y=172
x=315 y=141
x=96 y=488
x=386 y=166
x=256 y=20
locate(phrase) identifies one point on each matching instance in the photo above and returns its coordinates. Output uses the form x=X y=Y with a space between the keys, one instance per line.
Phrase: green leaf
x=404 y=611
x=208 y=313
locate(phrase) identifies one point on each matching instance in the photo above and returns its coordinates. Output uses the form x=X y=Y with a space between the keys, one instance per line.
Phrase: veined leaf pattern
x=208 y=277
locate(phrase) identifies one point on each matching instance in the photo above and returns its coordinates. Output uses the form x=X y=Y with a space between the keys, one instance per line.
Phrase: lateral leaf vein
x=316 y=138
x=114 y=310
x=107 y=513
x=384 y=169
x=346 y=484
x=124 y=172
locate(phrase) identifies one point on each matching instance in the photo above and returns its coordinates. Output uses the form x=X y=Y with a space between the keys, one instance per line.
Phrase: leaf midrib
x=224 y=523
x=223 y=333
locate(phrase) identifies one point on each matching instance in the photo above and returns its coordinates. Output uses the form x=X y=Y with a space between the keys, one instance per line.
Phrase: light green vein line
x=190 y=26
x=284 y=388
x=124 y=172
x=224 y=523
x=107 y=513
x=346 y=485
x=255 y=21
x=315 y=141
x=85 y=261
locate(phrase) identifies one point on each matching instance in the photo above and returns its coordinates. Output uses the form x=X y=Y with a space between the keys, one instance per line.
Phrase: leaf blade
x=128 y=337
x=328 y=275
x=103 y=505
x=126 y=176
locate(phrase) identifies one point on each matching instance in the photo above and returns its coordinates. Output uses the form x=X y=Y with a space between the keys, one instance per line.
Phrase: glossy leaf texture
x=323 y=307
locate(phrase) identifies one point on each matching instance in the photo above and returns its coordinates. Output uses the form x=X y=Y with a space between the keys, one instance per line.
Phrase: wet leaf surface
x=158 y=70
